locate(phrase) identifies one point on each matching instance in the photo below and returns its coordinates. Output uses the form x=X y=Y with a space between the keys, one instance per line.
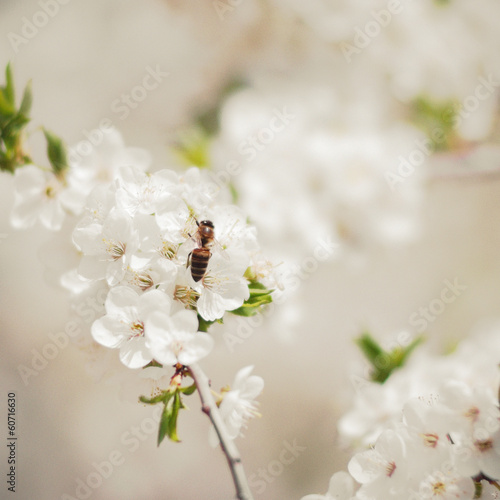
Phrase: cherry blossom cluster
x=137 y=235
x=432 y=430
x=131 y=235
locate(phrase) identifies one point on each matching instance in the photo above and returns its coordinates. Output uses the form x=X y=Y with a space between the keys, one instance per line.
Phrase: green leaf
x=259 y=292
x=168 y=421
x=27 y=101
x=56 y=152
x=12 y=123
x=400 y=354
x=250 y=275
x=164 y=422
x=9 y=90
x=259 y=296
x=371 y=349
x=171 y=398
x=235 y=196
x=7 y=95
x=251 y=306
x=172 y=427
x=192 y=148
x=6 y=109
x=384 y=362
x=437 y=120
x=255 y=285
x=12 y=129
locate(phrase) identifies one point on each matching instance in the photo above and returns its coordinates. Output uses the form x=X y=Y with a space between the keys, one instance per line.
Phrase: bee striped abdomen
x=199 y=262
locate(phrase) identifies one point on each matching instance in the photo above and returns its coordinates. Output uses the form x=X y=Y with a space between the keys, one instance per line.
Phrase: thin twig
x=228 y=447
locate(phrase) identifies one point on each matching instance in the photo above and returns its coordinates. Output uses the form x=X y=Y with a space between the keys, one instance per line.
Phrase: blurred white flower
x=334 y=173
x=473 y=363
x=139 y=192
x=41 y=195
x=341 y=487
x=384 y=470
x=474 y=428
x=448 y=485
x=98 y=163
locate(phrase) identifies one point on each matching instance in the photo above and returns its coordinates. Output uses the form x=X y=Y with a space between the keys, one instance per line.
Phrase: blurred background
x=372 y=128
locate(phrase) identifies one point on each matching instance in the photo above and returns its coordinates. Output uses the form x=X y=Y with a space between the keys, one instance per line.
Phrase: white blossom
x=173 y=338
x=41 y=195
x=223 y=288
x=98 y=163
x=238 y=403
x=107 y=248
x=341 y=487
x=123 y=324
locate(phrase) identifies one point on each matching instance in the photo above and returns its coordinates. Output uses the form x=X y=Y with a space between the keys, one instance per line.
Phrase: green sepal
x=153 y=362
x=204 y=325
x=171 y=398
x=478 y=489
x=163 y=397
x=384 y=362
x=56 y=152
x=188 y=390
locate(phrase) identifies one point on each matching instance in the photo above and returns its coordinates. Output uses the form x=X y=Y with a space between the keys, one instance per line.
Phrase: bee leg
x=188 y=262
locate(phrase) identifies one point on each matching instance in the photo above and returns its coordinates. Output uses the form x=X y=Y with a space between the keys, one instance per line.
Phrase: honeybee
x=198 y=257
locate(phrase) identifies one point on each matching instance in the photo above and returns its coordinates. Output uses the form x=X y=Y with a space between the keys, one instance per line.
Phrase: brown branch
x=209 y=407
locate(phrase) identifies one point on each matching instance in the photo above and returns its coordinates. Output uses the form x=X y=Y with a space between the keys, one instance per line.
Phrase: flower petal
x=196 y=348
x=109 y=332
x=134 y=353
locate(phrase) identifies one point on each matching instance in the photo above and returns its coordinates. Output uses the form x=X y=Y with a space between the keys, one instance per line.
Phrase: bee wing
x=195 y=239
x=220 y=249
x=188 y=246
